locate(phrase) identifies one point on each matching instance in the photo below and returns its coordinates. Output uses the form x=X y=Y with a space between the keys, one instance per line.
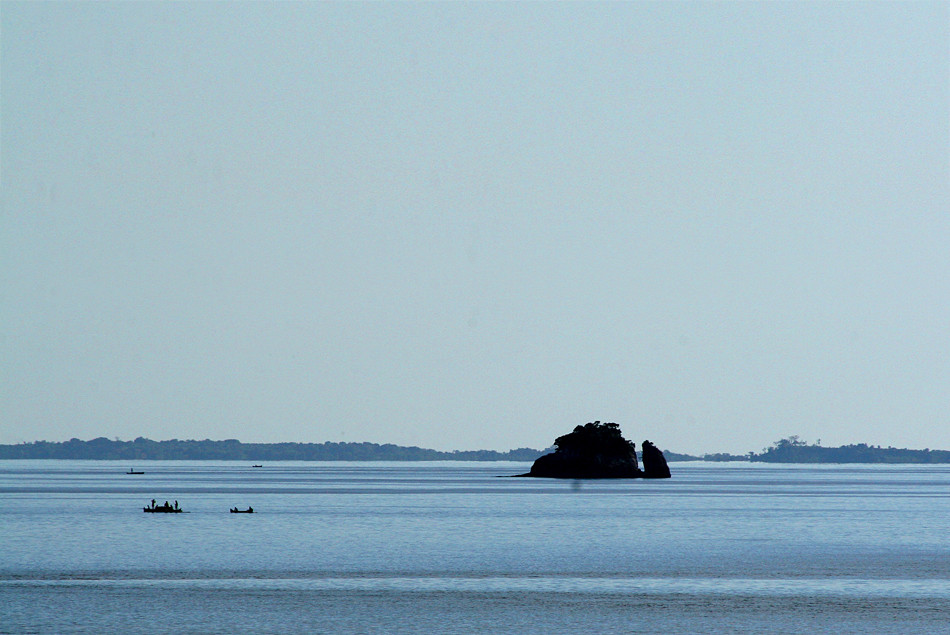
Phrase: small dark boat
x=162 y=509
x=257 y=466
x=249 y=510
x=131 y=471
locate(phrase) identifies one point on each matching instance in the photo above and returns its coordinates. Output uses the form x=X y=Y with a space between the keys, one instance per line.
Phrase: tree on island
x=598 y=450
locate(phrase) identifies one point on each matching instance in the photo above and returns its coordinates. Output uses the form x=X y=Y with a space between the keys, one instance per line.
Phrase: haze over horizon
x=475 y=226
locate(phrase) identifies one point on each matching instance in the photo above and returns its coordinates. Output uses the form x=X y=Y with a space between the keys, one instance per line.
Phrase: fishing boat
x=163 y=509
x=131 y=471
x=249 y=510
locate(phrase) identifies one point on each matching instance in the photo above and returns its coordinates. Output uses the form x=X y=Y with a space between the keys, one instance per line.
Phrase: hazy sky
x=469 y=226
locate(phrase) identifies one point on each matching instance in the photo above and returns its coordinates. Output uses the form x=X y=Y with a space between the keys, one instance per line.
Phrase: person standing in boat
x=176 y=504
x=153 y=503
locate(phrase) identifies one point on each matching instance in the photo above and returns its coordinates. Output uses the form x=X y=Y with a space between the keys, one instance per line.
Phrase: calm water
x=451 y=548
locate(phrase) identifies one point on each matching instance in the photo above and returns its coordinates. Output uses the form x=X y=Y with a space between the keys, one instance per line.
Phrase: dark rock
x=594 y=450
x=654 y=463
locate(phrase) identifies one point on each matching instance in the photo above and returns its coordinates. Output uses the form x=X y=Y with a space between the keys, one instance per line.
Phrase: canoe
x=235 y=510
x=162 y=509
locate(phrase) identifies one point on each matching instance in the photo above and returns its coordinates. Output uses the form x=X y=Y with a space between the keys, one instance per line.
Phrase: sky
x=476 y=225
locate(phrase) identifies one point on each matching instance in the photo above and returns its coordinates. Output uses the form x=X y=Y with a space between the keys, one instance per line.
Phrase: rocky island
x=598 y=450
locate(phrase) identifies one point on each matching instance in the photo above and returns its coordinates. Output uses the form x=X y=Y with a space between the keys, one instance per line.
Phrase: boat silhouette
x=162 y=509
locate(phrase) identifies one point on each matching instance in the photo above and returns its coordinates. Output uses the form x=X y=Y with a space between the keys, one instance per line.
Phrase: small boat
x=249 y=510
x=163 y=509
x=257 y=466
x=131 y=471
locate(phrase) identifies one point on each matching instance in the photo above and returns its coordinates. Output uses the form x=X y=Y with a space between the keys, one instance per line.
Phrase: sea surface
x=453 y=547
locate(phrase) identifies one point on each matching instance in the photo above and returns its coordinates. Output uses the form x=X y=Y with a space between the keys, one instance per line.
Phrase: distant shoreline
x=789 y=450
x=793 y=450
x=142 y=449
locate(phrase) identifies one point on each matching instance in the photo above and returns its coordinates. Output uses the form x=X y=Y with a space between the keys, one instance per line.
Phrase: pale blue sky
x=472 y=225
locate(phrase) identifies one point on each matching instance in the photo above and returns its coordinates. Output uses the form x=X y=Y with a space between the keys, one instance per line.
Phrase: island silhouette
x=599 y=450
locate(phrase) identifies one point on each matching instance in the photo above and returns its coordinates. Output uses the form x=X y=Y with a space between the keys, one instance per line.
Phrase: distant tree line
x=788 y=450
x=233 y=450
x=794 y=450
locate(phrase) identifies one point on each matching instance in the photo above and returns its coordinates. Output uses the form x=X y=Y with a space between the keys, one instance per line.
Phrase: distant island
x=794 y=450
x=598 y=450
x=233 y=450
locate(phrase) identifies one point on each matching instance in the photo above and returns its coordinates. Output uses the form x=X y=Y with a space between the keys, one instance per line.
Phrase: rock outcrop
x=654 y=463
x=597 y=450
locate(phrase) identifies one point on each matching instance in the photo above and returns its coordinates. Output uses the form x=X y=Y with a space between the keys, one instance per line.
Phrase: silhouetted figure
x=153 y=503
x=176 y=504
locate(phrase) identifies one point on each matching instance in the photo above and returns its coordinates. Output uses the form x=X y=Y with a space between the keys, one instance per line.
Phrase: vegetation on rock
x=597 y=450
